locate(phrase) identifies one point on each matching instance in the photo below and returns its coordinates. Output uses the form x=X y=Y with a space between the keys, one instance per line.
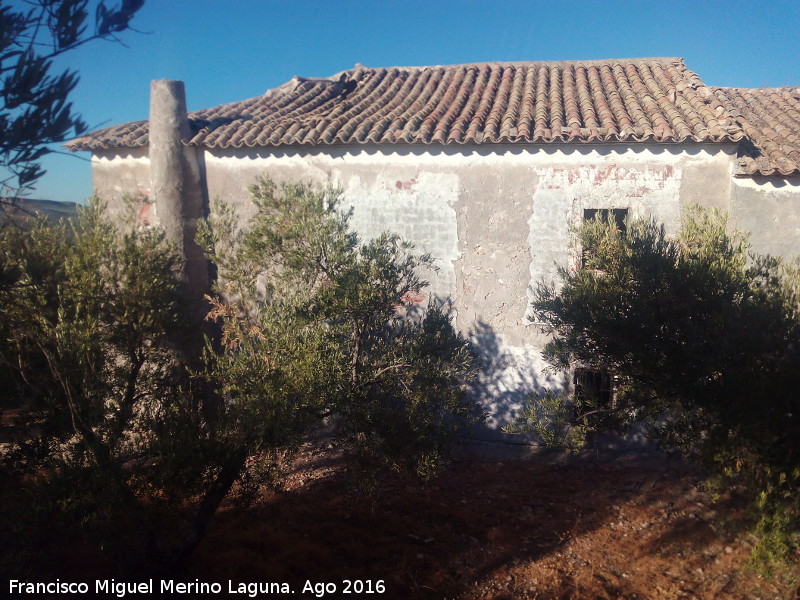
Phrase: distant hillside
x=48 y=208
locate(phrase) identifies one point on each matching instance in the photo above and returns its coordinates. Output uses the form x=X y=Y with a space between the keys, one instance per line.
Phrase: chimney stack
x=175 y=180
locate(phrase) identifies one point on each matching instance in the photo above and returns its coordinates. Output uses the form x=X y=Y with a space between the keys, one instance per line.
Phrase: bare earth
x=540 y=527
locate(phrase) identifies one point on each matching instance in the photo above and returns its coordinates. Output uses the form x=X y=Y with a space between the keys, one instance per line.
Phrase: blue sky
x=229 y=50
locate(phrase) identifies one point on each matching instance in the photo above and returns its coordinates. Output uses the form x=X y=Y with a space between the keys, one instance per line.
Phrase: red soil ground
x=542 y=527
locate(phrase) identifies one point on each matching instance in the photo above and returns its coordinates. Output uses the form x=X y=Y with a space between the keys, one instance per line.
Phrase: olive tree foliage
x=317 y=330
x=109 y=432
x=35 y=111
x=88 y=313
x=702 y=336
x=692 y=325
x=113 y=429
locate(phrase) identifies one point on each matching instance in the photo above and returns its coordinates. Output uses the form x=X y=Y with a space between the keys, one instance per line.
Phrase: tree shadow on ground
x=464 y=531
x=550 y=526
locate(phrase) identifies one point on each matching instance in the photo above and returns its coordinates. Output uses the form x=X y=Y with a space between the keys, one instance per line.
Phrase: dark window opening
x=617 y=215
x=593 y=386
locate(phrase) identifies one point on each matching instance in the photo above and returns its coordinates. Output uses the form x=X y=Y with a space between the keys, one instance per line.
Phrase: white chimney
x=175 y=179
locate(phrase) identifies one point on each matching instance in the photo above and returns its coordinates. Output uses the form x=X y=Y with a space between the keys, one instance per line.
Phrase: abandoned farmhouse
x=485 y=166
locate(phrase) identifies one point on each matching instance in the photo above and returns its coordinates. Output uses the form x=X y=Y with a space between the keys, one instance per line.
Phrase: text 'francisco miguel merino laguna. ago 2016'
x=120 y=589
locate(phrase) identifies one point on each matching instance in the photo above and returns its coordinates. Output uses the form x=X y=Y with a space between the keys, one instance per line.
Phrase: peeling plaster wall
x=497 y=219
x=421 y=209
x=644 y=189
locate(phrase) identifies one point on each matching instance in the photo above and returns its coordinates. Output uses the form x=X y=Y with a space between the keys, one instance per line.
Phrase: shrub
x=701 y=336
x=121 y=427
x=316 y=329
x=88 y=314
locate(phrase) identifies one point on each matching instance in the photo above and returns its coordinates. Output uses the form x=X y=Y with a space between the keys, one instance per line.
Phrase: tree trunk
x=205 y=513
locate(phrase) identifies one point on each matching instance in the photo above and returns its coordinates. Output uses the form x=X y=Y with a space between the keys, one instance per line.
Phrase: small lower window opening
x=594 y=386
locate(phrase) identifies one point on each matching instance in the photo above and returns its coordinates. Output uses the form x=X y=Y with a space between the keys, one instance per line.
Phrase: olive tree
x=701 y=336
x=88 y=315
x=314 y=332
x=35 y=111
x=317 y=329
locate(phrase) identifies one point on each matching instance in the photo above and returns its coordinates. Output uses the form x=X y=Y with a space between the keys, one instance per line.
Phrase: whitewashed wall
x=768 y=208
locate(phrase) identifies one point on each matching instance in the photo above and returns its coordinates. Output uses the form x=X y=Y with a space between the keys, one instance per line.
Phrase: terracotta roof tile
x=631 y=100
x=770 y=118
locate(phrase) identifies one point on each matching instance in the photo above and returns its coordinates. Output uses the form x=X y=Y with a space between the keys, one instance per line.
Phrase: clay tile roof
x=630 y=100
x=770 y=119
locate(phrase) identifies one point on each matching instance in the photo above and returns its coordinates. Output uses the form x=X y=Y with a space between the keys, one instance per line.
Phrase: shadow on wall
x=508 y=374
